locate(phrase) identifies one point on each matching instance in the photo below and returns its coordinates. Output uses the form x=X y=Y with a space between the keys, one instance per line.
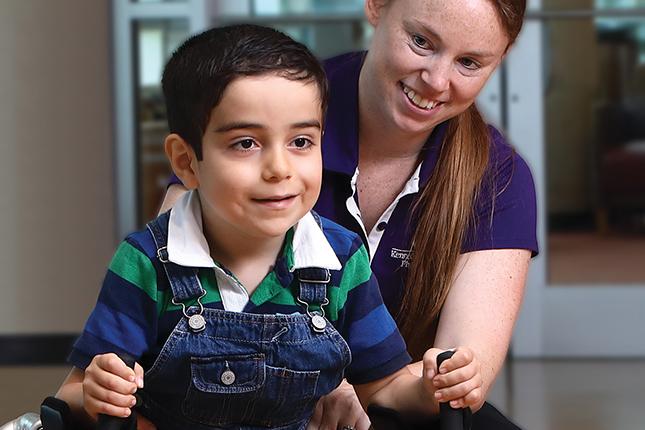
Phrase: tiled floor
x=538 y=395
x=574 y=394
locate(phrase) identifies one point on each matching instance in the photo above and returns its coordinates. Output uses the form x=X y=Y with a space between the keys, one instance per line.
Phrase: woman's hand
x=109 y=386
x=458 y=380
x=338 y=409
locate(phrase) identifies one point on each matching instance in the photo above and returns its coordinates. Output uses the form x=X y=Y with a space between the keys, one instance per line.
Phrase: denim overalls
x=222 y=369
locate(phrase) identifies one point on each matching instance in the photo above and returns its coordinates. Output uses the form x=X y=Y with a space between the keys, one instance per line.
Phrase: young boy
x=242 y=306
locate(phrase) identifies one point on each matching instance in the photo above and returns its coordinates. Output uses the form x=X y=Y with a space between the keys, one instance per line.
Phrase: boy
x=243 y=306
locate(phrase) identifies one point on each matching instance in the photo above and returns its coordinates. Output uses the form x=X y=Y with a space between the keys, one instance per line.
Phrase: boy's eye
x=244 y=144
x=302 y=143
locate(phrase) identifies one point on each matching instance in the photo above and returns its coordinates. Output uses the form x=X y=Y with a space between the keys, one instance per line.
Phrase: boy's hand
x=109 y=385
x=458 y=380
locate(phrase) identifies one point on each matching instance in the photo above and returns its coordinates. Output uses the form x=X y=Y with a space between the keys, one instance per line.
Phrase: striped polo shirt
x=134 y=313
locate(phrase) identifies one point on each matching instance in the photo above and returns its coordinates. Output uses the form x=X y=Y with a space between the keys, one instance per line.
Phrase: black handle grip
x=449 y=417
x=108 y=422
x=55 y=414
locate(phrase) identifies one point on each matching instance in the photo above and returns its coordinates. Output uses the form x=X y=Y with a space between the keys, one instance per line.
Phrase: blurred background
x=82 y=123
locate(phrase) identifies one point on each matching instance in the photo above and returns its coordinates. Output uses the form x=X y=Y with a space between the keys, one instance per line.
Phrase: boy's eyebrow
x=307 y=124
x=251 y=125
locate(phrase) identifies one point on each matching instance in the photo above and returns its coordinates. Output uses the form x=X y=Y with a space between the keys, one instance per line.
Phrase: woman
x=446 y=207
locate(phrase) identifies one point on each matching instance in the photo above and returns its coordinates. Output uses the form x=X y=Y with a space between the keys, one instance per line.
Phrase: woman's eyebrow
x=429 y=31
x=426 y=29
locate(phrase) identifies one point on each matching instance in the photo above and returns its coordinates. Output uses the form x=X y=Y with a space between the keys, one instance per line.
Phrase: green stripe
x=209 y=284
x=287 y=251
x=356 y=272
x=135 y=267
x=270 y=290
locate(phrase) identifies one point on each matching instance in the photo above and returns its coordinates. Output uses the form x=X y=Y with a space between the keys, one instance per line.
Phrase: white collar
x=188 y=247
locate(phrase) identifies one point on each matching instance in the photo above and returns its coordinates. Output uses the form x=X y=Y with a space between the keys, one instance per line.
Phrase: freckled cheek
x=466 y=93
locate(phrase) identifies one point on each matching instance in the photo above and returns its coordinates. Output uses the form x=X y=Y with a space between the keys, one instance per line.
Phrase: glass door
x=576 y=111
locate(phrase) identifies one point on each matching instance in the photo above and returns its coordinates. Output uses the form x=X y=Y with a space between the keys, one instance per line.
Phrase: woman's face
x=429 y=59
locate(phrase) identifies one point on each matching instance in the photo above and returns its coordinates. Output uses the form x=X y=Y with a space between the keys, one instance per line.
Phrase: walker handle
x=450 y=418
x=109 y=422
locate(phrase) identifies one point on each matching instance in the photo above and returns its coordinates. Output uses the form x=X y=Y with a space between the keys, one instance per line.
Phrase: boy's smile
x=261 y=168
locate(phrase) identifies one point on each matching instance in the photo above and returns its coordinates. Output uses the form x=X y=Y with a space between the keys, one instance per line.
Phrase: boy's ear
x=182 y=160
x=373 y=10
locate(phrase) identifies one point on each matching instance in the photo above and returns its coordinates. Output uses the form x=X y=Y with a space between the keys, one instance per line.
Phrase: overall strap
x=313 y=291
x=313 y=285
x=313 y=280
x=183 y=280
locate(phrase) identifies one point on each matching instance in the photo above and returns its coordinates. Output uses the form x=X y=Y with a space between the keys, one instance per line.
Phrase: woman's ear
x=373 y=9
x=182 y=160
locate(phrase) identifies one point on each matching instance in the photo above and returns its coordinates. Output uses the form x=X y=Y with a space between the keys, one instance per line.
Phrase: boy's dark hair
x=199 y=71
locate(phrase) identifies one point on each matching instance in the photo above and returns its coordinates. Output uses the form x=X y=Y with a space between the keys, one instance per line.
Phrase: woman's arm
x=480 y=312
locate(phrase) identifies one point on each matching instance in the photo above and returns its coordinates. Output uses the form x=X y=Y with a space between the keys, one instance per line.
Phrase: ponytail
x=444 y=210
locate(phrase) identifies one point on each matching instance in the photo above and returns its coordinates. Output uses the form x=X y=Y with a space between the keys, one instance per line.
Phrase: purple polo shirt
x=505 y=212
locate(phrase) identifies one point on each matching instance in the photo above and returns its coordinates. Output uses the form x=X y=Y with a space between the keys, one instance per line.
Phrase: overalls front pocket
x=230 y=389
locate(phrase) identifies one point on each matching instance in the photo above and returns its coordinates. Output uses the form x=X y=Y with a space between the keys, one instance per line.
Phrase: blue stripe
x=128 y=298
x=143 y=241
x=379 y=361
x=362 y=299
x=370 y=330
x=121 y=330
x=344 y=242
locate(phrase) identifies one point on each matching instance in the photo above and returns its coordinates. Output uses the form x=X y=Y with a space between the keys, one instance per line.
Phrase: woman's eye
x=302 y=143
x=245 y=144
x=469 y=63
x=420 y=41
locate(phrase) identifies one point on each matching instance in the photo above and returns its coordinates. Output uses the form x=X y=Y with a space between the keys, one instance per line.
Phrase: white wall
x=56 y=162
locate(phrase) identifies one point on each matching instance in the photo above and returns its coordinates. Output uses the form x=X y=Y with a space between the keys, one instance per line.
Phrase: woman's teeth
x=418 y=100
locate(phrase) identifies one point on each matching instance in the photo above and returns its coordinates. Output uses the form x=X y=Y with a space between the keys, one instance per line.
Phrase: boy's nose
x=277 y=165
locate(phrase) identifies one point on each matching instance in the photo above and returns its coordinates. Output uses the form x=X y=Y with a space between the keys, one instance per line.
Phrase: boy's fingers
x=455 y=377
x=462 y=357
x=138 y=375
x=458 y=391
x=430 y=362
x=471 y=399
x=107 y=381
x=95 y=407
x=475 y=397
x=94 y=391
x=113 y=364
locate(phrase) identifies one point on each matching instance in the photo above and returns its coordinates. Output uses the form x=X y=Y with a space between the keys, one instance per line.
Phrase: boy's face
x=262 y=166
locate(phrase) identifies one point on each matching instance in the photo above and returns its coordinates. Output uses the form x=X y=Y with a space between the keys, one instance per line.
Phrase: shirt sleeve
x=506 y=208
x=124 y=319
x=377 y=347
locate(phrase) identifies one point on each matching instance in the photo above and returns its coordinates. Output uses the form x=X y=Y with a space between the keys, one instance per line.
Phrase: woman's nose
x=436 y=75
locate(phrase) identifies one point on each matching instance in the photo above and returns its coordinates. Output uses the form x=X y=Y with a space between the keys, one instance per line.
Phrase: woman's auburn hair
x=445 y=210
